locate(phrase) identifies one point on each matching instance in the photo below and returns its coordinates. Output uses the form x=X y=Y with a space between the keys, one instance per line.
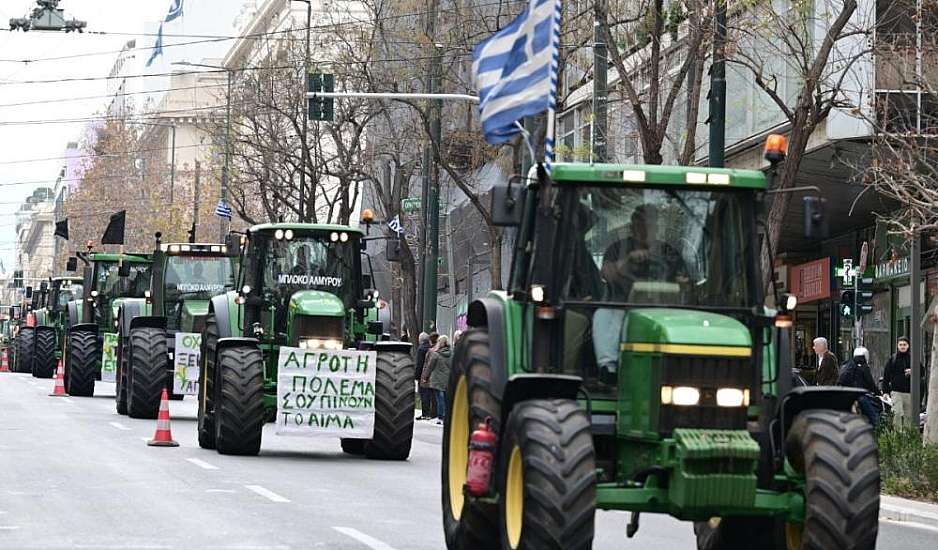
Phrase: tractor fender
x=805 y=398
x=489 y=312
x=74 y=311
x=230 y=342
x=221 y=306
x=136 y=313
x=390 y=346
x=521 y=387
x=84 y=327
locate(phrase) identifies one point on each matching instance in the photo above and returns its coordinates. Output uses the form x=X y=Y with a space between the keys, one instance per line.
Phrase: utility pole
x=915 y=331
x=717 y=94
x=304 y=145
x=196 y=195
x=432 y=203
x=600 y=82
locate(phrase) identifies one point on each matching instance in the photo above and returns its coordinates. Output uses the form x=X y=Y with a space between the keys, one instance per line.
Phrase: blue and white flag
x=174 y=11
x=395 y=225
x=515 y=70
x=222 y=210
x=158 y=47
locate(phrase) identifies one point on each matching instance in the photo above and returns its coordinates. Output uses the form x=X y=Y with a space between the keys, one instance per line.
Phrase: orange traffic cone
x=59 y=382
x=4 y=363
x=164 y=435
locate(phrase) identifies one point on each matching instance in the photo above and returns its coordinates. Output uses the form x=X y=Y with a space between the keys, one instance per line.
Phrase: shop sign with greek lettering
x=186 y=363
x=109 y=357
x=326 y=393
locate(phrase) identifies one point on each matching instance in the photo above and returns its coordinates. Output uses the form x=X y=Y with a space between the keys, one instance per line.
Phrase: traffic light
x=847 y=301
x=321 y=108
x=865 y=296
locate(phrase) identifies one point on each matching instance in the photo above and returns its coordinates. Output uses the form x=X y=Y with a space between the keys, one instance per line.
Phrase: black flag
x=114 y=234
x=61 y=229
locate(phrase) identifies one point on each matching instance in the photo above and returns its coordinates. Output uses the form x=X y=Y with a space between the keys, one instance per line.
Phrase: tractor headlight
x=682 y=396
x=288 y=234
x=732 y=397
x=94 y=293
x=330 y=344
x=278 y=234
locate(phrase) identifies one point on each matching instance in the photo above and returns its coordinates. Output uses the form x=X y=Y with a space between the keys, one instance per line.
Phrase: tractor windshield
x=110 y=284
x=310 y=262
x=197 y=277
x=69 y=292
x=662 y=246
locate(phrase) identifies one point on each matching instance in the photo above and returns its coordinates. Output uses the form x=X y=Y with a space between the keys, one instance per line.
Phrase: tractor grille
x=707 y=374
x=309 y=326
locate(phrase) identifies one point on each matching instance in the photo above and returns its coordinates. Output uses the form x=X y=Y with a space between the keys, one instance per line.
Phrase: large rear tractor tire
x=83 y=353
x=354 y=447
x=394 y=407
x=547 y=477
x=147 y=373
x=44 y=354
x=206 y=416
x=239 y=403
x=25 y=346
x=468 y=523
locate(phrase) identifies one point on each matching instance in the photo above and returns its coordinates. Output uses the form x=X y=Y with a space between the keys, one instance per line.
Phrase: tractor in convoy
x=184 y=277
x=25 y=329
x=92 y=320
x=632 y=364
x=50 y=323
x=300 y=292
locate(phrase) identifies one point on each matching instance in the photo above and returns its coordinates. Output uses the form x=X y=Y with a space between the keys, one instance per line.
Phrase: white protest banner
x=109 y=357
x=186 y=363
x=326 y=393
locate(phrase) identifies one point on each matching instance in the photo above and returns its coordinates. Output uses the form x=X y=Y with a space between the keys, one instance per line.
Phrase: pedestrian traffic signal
x=321 y=108
x=847 y=303
x=864 y=296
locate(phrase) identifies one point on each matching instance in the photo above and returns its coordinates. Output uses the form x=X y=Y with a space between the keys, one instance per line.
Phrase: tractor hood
x=194 y=313
x=316 y=302
x=116 y=306
x=682 y=326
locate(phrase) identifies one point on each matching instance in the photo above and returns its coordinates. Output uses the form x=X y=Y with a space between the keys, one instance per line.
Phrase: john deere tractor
x=632 y=365
x=50 y=323
x=25 y=339
x=299 y=286
x=184 y=277
x=109 y=280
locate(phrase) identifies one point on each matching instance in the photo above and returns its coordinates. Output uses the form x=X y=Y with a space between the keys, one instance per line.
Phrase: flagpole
x=552 y=104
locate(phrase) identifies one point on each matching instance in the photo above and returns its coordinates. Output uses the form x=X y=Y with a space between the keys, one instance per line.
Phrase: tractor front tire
x=836 y=451
x=239 y=403
x=120 y=392
x=25 y=346
x=82 y=365
x=394 y=407
x=44 y=354
x=355 y=447
x=468 y=523
x=206 y=426
x=547 y=477
x=146 y=375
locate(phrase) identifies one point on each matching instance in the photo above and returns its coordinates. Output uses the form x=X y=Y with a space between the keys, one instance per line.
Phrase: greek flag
x=157 y=48
x=174 y=11
x=222 y=210
x=515 y=70
x=395 y=225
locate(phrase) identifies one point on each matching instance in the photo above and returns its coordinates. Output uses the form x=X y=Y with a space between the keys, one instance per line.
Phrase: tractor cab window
x=110 y=284
x=67 y=293
x=193 y=278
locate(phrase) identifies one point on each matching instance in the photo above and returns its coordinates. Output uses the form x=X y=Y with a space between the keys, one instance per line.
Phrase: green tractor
x=50 y=323
x=301 y=294
x=160 y=334
x=92 y=321
x=25 y=339
x=632 y=365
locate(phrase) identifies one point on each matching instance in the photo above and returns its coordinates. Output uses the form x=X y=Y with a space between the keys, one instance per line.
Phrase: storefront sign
x=811 y=282
x=891 y=269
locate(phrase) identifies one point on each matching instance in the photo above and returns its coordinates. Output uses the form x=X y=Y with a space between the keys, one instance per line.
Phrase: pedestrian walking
x=436 y=374
x=427 y=400
x=827 y=370
x=897 y=383
x=856 y=374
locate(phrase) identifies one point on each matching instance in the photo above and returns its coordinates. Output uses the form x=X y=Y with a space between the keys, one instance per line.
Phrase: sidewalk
x=901 y=509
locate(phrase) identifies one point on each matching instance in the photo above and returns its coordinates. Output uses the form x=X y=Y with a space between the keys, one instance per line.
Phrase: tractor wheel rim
x=514 y=498
x=458 y=447
x=793 y=533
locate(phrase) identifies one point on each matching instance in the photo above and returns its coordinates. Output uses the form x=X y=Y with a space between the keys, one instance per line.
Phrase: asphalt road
x=74 y=474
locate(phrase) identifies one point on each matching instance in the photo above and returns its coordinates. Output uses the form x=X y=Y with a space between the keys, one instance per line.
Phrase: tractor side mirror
x=29 y=292
x=370 y=295
x=124 y=270
x=815 y=222
x=375 y=327
x=367 y=282
x=507 y=205
x=72 y=264
x=393 y=251
x=233 y=244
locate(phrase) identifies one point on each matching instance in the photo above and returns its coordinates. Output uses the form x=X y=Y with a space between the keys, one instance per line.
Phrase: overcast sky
x=19 y=143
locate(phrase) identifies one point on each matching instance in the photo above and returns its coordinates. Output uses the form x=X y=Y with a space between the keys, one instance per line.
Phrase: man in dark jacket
x=427 y=401
x=826 y=364
x=897 y=382
x=856 y=374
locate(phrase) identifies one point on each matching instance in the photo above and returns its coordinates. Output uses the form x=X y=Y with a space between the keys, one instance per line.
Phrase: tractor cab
x=185 y=277
x=63 y=290
x=109 y=281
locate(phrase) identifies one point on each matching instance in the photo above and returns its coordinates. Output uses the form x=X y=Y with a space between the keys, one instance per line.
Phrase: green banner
x=109 y=357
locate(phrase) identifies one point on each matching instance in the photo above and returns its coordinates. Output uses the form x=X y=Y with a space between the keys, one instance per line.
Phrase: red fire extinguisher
x=481 y=455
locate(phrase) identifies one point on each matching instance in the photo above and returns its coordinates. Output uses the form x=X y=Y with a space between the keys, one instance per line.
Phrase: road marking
x=220 y=491
x=202 y=464
x=912 y=524
x=266 y=493
x=368 y=541
x=8 y=527
x=119 y=426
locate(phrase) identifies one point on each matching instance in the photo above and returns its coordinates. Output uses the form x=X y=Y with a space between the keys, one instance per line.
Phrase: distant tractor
x=184 y=277
x=632 y=365
x=300 y=289
x=50 y=323
x=92 y=325
x=25 y=329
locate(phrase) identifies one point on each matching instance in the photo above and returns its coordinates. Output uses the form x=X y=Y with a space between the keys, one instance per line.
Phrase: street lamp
x=225 y=168
x=305 y=149
x=47 y=17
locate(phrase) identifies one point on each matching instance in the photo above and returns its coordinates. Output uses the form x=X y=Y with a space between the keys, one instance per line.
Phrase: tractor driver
x=638 y=257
